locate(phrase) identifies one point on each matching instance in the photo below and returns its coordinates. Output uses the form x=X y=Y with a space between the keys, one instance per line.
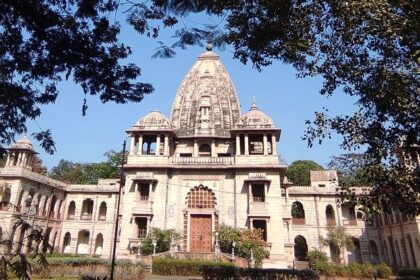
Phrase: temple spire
x=254 y=103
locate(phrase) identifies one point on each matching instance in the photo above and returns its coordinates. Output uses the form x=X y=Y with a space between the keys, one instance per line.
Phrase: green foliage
x=318 y=261
x=162 y=238
x=236 y=273
x=351 y=169
x=383 y=271
x=298 y=171
x=337 y=238
x=246 y=240
x=88 y=173
x=169 y=266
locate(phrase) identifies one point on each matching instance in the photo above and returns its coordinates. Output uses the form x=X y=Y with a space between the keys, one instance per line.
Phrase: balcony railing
x=298 y=221
x=86 y=217
x=258 y=199
x=141 y=233
x=331 y=222
x=143 y=207
x=350 y=222
x=144 y=198
x=203 y=160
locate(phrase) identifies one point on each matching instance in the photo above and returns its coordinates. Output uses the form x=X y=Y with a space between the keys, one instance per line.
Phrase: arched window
x=83 y=242
x=20 y=202
x=52 y=206
x=349 y=214
x=67 y=243
x=334 y=253
x=71 y=211
x=53 y=243
x=204 y=150
x=99 y=244
x=357 y=252
x=102 y=212
x=300 y=248
x=87 y=209
x=298 y=213
x=5 y=202
x=329 y=213
x=44 y=206
x=374 y=254
x=201 y=197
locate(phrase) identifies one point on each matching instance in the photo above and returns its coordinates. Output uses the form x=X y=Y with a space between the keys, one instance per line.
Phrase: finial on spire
x=254 y=103
x=209 y=47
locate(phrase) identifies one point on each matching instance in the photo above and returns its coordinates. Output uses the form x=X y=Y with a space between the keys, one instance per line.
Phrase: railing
x=144 y=197
x=350 y=222
x=203 y=160
x=102 y=217
x=143 y=207
x=141 y=233
x=86 y=217
x=298 y=221
x=258 y=198
x=331 y=222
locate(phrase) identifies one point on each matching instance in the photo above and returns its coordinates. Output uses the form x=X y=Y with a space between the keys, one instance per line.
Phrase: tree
x=44 y=42
x=88 y=173
x=351 y=169
x=337 y=239
x=298 y=171
x=246 y=240
x=366 y=49
x=163 y=239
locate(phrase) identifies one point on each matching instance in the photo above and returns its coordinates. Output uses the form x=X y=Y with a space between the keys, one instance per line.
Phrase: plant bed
x=182 y=267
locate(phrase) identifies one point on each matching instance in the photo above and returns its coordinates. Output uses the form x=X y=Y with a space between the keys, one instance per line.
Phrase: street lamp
x=233 y=249
x=154 y=243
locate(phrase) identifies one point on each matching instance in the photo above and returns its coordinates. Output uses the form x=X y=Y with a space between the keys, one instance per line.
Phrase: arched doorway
x=67 y=243
x=99 y=243
x=300 y=248
x=298 y=213
x=201 y=205
x=71 y=210
x=374 y=254
x=330 y=215
x=83 y=242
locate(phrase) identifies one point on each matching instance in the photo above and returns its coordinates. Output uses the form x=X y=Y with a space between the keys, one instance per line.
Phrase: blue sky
x=280 y=94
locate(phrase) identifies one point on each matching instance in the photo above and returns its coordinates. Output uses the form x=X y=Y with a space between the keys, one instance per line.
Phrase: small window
x=224 y=155
x=185 y=155
x=321 y=185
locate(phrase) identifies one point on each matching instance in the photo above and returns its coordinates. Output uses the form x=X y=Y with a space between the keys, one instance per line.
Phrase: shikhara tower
x=206 y=165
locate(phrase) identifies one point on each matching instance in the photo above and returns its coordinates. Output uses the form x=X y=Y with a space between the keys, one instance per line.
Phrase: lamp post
x=233 y=250
x=139 y=250
x=154 y=243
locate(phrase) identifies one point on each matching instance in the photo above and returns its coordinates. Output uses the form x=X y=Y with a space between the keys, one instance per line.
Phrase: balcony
x=350 y=222
x=203 y=160
x=331 y=222
x=86 y=217
x=141 y=233
x=258 y=208
x=298 y=221
x=143 y=207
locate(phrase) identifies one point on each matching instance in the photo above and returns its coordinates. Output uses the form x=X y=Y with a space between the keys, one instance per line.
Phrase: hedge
x=187 y=267
x=236 y=273
x=409 y=272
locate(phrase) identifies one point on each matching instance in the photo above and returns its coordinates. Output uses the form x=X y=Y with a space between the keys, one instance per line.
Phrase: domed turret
x=155 y=120
x=21 y=154
x=206 y=102
x=254 y=118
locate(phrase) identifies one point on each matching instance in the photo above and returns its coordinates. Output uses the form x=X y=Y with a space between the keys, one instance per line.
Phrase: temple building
x=207 y=164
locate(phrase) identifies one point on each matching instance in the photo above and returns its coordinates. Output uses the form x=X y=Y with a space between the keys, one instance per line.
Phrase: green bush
x=169 y=266
x=162 y=238
x=236 y=273
x=246 y=240
x=383 y=271
x=409 y=272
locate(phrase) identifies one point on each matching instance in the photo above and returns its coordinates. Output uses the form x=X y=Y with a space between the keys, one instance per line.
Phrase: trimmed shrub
x=409 y=272
x=162 y=238
x=383 y=271
x=236 y=273
x=169 y=266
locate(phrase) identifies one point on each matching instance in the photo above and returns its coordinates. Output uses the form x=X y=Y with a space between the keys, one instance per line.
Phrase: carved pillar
x=265 y=188
x=166 y=146
x=8 y=159
x=19 y=158
x=265 y=144
x=132 y=146
x=246 y=145
x=195 y=154
x=213 y=149
x=273 y=144
x=140 y=145
x=249 y=193
x=238 y=145
x=157 y=152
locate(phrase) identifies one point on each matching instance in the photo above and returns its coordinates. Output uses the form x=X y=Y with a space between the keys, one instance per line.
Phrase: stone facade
x=205 y=166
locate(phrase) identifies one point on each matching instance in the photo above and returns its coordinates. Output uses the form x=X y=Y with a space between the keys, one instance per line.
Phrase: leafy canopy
x=45 y=41
x=298 y=172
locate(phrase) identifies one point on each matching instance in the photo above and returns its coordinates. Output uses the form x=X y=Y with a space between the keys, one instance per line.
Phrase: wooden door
x=200 y=233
